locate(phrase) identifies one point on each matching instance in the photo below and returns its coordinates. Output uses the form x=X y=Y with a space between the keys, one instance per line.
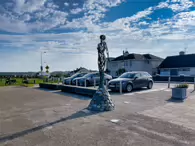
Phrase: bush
x=182 y=86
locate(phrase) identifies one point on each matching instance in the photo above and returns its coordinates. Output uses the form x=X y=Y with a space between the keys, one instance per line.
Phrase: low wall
x=174 y=78
x=50 y=86
x=71 y=89
x=78 y=90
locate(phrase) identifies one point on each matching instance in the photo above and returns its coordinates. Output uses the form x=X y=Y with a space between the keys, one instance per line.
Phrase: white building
x=134 y=62
x=182 y=64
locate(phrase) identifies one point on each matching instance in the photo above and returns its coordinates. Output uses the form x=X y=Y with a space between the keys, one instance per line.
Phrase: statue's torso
x=101 y=48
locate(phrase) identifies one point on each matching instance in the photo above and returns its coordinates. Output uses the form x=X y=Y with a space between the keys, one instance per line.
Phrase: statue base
x=101 y=101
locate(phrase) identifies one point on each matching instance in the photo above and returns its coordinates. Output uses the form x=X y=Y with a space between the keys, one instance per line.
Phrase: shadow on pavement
x=76 y=115
x=175 y=100
x=124 y=92
x=77 y=96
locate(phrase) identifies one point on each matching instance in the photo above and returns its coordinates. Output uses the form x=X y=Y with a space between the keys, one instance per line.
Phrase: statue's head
x=102 y=37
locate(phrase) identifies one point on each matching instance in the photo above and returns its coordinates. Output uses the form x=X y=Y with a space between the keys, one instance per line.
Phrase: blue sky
x=68 y=30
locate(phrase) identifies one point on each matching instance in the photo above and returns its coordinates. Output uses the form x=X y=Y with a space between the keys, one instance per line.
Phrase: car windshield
x=87 y=75
x=75 y=75
x=127 y=75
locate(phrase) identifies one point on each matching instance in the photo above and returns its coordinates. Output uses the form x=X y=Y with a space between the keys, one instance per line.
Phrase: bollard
x=58 y=80
x=85 y=83
x=169 y=82
x=121 y=87
x=34 y=81
x=94 y=83
x=106 y=84
x=76 y=82
x=194 y=83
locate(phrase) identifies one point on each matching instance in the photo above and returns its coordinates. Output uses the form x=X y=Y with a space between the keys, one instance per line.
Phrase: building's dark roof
x=137 y=57
x=150 y=56
x=111 y=58
x=178 y=61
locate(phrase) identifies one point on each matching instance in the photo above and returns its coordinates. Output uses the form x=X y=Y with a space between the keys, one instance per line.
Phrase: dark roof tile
x=178 y=61
x=137 y=56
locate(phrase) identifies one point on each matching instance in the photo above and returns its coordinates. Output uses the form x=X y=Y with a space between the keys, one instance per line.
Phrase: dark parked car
x=90 y=79
x=131 y=80
x=68 y=81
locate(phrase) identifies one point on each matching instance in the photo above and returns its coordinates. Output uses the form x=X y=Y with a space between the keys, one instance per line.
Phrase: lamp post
x=42 y=62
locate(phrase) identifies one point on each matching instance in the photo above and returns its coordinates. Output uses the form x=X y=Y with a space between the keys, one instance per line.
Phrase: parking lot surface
x=37 y=117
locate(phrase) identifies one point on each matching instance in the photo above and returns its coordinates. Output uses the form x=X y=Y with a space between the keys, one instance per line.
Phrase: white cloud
x=176 y=5
x=76 y=11
x=66 y=4
x=75 y=4
x=28 y=6
x=43 y=15
x=12 y=25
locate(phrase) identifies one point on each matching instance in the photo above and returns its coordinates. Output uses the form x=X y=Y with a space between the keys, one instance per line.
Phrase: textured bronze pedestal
x=101 y=101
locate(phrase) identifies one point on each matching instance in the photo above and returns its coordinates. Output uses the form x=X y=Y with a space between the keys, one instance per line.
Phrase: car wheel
x=129 y=88
x=150 y=84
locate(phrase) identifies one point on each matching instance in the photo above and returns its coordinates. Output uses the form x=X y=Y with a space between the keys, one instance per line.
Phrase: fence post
x=94 y=82
x=169 y=82
x=76 y=82
x=194 y=83
x=85 y=83
x=121 y=87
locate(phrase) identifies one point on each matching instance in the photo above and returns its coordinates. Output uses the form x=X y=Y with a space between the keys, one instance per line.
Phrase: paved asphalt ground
x=35 y=117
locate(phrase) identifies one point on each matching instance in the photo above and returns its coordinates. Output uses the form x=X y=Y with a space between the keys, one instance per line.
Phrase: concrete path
x=33 y=117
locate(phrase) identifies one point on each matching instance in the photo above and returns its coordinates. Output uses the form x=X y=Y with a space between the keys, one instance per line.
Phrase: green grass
x=19 y=82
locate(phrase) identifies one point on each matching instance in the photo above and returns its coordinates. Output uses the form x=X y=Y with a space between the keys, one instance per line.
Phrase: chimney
x=181 y=53
x=125 y=53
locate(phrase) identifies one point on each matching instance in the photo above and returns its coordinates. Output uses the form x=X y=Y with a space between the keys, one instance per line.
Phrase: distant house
x=134 y=62
x=79 y=70
x=43 y=74
x=182 y=64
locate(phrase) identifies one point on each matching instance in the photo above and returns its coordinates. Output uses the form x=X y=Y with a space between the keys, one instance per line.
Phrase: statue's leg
x=101 y=79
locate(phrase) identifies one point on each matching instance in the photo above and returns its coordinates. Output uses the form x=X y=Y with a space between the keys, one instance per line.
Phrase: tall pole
x=124 y=59
x=41 y=65
x=42 y=62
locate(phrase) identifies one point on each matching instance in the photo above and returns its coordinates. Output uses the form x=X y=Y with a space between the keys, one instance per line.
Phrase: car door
x=144 y=79
x=137 y=81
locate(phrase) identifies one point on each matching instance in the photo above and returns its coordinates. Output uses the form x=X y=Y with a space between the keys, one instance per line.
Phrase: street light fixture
x=42 y=62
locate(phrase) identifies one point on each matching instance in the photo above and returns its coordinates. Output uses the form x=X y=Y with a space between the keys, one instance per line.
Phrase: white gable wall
x=133 y=65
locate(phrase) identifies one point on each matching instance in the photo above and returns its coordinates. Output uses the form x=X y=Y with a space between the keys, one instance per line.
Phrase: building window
x=148 y=61
x=126 y=63
x=165 y=70
x=130 y=63
x=114 y=65
x=184 y=69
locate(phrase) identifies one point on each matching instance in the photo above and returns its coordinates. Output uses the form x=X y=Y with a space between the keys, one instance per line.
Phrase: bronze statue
x=101 y=100
x=102 y=47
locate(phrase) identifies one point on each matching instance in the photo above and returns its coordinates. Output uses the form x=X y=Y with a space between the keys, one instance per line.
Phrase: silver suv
x=91 y=78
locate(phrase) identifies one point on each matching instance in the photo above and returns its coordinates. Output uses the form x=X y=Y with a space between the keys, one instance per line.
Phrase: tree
x=47 y=69
x=120 y=71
